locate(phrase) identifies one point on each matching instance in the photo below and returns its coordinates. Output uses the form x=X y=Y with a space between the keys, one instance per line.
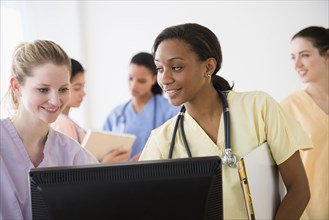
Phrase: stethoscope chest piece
x=229 y=158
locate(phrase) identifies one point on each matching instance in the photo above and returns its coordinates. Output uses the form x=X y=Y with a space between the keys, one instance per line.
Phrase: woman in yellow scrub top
x=188 y=56
x=310 y=53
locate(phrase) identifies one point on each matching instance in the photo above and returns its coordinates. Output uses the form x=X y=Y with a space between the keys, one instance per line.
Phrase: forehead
x=300 y=44
x=50 y=74
x=173 y=48
x=78 y=78
x=139 y=70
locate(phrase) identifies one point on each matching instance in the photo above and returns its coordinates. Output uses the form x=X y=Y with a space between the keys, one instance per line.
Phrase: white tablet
x=99 y=143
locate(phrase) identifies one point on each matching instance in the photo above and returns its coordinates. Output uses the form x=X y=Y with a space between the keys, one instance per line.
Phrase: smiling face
x=180 y=72
x=43 y=95
x=309 y=64
x=141 y=81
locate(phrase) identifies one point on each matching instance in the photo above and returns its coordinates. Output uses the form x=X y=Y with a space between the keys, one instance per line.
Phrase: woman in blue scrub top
x=147 y=108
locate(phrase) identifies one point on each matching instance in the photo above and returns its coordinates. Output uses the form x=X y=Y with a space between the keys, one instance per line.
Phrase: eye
x=176 y=68
x=305 y=55
x=43 y=90
x=63 y=90
x=159 y=69
x=141 y=81
x=77 y=88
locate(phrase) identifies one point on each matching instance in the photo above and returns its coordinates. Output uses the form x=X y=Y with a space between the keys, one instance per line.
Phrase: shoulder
x=71 y=150
x=6 y=130
x=253 y=98
x=165 y=129
x=62 y=122
x=293 y=99
x=62 y=139
x=119 y=108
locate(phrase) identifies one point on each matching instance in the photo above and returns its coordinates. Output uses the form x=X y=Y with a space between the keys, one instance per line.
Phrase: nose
x=133 y=83
x=83 y=92
x=54 y=99
x=298 y=63
x=165 y=78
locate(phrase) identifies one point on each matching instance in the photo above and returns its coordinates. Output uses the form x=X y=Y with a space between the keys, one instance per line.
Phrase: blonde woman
x=39 y=88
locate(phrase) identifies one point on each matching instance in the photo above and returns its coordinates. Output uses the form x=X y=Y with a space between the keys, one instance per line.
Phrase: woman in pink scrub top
x=39 y=90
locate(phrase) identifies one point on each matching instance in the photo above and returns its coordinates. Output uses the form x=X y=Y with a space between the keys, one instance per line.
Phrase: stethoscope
x=228 y=157
x=122 y=119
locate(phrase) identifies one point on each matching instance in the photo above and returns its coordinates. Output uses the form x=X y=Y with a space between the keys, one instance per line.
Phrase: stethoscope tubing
x=228 y=157
x=124 y=118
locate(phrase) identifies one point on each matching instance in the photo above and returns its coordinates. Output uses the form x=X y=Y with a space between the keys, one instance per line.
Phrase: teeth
x=51 y=109
x=171 y=91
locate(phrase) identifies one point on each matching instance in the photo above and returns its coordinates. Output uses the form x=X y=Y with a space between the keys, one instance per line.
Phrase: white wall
x=104 y=35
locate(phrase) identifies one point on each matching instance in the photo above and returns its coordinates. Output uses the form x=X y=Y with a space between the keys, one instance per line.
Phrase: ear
x=327 y=57
x=15 y=86
x=210 y=66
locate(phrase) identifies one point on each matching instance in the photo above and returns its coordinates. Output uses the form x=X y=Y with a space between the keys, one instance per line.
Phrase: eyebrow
x=48 y=85
x=77 y=84
x=303 y=51
x=173 y=58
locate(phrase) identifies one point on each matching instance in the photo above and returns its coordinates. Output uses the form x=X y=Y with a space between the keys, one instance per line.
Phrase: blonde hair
x=30 y=55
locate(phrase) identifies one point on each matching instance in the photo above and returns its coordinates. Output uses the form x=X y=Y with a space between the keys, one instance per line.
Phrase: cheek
x=65 y=98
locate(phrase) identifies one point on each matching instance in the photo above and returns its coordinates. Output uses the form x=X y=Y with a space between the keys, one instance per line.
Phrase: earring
x=209 y=75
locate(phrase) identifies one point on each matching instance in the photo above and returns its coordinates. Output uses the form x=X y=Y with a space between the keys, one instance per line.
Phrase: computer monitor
x=189 y=188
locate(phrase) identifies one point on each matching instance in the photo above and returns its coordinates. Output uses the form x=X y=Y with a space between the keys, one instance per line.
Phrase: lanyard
x=228 y=157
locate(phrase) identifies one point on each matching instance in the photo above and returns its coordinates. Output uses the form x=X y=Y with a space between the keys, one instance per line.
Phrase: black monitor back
x=188 y=188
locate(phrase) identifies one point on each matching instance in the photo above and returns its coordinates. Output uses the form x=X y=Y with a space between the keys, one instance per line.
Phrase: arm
x=118 y=155
x=298 y=192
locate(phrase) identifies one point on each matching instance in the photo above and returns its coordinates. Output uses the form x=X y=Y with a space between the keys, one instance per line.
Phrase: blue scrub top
x=124 y=119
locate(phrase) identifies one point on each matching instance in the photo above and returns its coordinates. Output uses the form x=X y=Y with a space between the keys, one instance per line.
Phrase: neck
x=66 y=111
x=206 y=109
x=32 y=133
x=204 y=105
x=319 y=89
x=320 y=95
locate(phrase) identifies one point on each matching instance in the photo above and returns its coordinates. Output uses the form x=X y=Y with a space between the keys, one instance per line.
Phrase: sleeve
x=9 y=207
x=284 y=134
x=107 y=125
x=84 y=157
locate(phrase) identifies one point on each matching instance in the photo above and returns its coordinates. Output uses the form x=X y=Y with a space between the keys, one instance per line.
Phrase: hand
x=136 y=157
x=118 y=155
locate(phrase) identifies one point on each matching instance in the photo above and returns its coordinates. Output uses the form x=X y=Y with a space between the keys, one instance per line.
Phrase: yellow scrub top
x=315 y=122
x=255 y=118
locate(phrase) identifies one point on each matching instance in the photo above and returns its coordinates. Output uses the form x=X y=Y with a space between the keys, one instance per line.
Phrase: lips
x=302 y=72
x=172 y=92
x=51 y=109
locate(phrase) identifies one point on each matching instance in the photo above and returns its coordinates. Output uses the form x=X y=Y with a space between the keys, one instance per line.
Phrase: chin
x=175 y=102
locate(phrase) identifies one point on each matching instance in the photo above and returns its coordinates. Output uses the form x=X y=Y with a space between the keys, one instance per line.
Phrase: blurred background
x=104 y=35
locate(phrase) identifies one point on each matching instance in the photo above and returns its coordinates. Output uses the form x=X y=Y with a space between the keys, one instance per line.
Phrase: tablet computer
x=99 y=143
